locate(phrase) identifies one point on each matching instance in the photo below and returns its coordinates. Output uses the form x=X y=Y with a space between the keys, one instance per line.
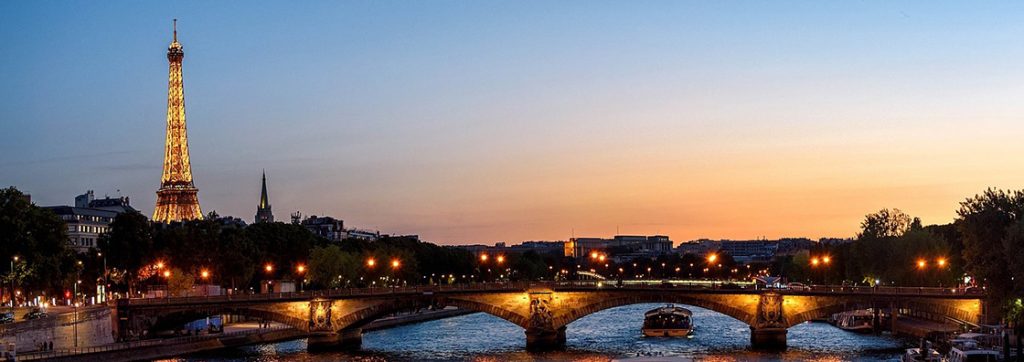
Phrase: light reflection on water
x=609 y=334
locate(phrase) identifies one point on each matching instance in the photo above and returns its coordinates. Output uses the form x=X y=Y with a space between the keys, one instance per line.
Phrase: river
x=609 y=334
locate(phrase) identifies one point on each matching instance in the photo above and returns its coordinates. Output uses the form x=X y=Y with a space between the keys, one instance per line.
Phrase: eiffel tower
x=176 y=199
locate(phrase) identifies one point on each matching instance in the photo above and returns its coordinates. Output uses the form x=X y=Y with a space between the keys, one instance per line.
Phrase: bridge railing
x=331 y=293
x=519 y=286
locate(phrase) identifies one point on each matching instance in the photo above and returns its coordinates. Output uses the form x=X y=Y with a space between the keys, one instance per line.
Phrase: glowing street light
x=593 y=255
x=500 y=259
x=159 y=265
x=712 y=257
x=370 y=263
x=269 y=267
x=814 y=261
x=921 y=264
x=167 y=273
x=826 y=259
x=205 y=274
x=941 y=262
x=395 y=264
x=483 y=258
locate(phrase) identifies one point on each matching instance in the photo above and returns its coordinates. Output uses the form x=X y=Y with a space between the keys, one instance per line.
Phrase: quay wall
x=94 y=327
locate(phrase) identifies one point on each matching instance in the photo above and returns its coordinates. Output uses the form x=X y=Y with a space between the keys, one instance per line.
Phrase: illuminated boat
x=668 y=321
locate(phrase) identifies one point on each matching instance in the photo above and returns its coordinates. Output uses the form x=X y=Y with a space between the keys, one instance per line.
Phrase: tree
x=179 y=282
x=39 y=238
x=886 y=223
x=128 y=245
x=331 y=267
x=984 y=222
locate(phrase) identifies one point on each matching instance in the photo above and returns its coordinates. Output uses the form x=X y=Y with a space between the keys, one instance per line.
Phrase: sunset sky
x=480 y=121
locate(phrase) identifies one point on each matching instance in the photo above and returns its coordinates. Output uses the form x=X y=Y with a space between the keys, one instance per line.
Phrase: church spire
x=263 y=213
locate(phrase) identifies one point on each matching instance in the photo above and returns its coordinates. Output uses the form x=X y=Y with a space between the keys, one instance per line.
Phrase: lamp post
x=205 y=276
x=301 y=271
x=269 y=268
x=75 y=301
x=13 y=287
x=395 y=264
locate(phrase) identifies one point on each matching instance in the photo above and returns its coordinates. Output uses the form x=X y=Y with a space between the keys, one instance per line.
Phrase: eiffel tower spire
x=176 y=199
x=263 y=213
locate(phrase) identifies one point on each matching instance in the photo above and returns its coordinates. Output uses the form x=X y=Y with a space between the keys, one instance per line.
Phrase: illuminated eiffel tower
x=176 y=199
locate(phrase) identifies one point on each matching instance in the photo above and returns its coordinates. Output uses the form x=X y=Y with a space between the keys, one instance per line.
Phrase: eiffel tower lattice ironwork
x=176 y=200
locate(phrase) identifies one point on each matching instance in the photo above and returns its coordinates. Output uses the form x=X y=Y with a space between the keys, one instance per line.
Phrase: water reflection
x=609 y=334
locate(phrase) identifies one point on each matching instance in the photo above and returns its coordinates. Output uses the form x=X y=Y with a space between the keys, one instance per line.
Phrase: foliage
x=989 y=225
x=886 y=224
x=128 y=245
x=39 y=238
x=331 y=267
x=180 y=282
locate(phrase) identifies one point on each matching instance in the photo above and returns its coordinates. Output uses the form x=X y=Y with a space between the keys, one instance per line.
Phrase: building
x=90 y=218
x=621 y=247
x=553 y=248
x=365 y=235
x=326 y=227
x=177 y=199
x=263 y=213
x=746 y=251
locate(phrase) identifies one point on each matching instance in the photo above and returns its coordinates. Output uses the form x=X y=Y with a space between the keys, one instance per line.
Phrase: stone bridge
x=335 y=318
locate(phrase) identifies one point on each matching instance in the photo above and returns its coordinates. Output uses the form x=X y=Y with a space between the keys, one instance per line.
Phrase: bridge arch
x=358 y=317
x=699 y=300
x=805 y=307
x=157 y=320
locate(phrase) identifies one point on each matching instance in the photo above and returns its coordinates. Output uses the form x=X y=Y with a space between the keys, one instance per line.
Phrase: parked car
x=6 y=318
x=35 y=314
x=800 y=287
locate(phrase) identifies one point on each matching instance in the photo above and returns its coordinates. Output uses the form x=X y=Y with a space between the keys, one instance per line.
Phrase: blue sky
x=478 y=121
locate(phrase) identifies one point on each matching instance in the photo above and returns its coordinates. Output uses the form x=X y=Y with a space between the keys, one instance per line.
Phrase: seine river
x=609 y=334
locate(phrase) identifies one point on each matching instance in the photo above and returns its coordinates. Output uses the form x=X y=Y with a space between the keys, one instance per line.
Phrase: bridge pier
x=545 y=340
x=768 y=338
x=347 y=339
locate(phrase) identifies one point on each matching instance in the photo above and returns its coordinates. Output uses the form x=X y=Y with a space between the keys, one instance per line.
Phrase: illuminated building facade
x=176 y=200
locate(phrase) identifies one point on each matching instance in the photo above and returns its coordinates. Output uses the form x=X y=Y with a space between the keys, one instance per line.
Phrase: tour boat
x=856 y=321
x=667 y=321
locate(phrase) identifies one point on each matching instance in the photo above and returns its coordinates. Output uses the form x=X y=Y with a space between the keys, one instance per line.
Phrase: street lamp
x=370 y=263
x=483 y=258
x=921 y=263
x=13 y=287
x=941 y=262
x=826 y=259
x=301 y=270
x=500 y=259
x=712 y=257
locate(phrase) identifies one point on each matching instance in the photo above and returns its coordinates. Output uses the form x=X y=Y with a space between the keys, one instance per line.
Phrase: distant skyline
x=478 y=122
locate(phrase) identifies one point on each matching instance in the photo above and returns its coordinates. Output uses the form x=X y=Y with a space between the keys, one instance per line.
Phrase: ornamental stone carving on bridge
x=320 y=315
x=541 y=315
x=769 y=311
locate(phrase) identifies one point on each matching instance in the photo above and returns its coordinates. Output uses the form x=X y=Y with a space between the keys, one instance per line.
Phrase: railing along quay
x=143 y=343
